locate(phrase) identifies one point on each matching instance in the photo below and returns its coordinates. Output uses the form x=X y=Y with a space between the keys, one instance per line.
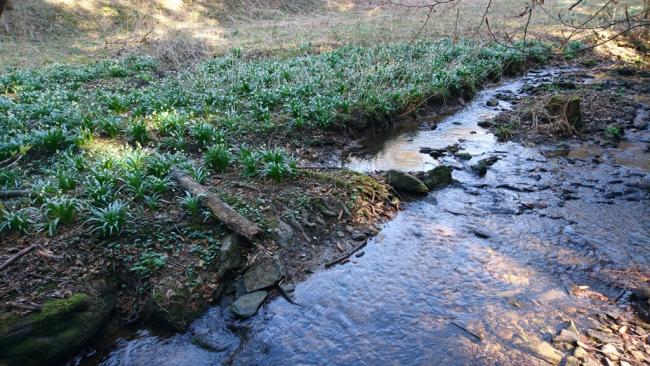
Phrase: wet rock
x=485 y=124
x=248 y=304
x=566 y=107
x=437 y=177
x=405 y=182
x=265 y=272
x=572 y=361
x=230 y=254
x=641 y=124
x=282 y=233
x=359 y=236
x=601 y=337
x=211 y=332
x=464 y=156
x=639 y=356
x=580 y=353
x=566 y=339
x=493 y=102
x=545 y=351
x=482 y=166
x=287 y=287
x=610 y=352
x=565 y=85
x=437 y=153
x=642 y=293
x=59 y=328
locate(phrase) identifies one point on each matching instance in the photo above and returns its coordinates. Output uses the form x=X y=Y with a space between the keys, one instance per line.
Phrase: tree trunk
x=224 y=213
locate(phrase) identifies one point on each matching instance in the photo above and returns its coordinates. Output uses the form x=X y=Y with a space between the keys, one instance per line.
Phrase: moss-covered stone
x=405 y=182
x=437 y=177
x=58 y=329
x=174 y=305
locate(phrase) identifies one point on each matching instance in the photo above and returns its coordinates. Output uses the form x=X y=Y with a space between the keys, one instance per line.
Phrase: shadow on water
x=471 y=274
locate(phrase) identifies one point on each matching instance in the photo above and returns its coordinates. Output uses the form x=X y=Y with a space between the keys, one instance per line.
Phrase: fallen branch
x=223 y=212
x=346 y=256
x=17 y=256
x=13 y=194
x=467 y=330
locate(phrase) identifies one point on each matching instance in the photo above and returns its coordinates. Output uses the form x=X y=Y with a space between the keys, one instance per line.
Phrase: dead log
x=224 y=213
x=17 y=256
x=13 y=194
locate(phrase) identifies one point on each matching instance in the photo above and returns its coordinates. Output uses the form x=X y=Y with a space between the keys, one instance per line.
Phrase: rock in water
x=211 y=332
x=464 y=156
x=437 y=177
x=566 y=107
x=481 y=167
x=545 y=351
x=405 y=182
x=265 y=272
x=247 y=305
x=493 y=102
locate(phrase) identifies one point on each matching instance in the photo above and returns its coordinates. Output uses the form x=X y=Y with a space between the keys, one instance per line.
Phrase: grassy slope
x=36 y=33
x=98 y=141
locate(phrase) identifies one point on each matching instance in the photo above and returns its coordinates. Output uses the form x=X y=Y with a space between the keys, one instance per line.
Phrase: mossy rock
x=405 y=182
x=60 y=328
x=567 y=107
x=437 y=177
x=174 y=306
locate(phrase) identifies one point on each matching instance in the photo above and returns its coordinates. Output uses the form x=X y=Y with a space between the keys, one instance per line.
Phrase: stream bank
x=533 y=261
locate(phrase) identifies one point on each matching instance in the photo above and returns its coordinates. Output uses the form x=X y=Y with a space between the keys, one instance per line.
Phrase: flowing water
x=471 y=274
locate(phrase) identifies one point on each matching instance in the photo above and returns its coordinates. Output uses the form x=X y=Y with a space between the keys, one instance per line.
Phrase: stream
x=470 y=274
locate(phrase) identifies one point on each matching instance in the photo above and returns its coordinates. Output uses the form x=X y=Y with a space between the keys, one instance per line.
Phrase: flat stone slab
x=247 y=305
x=265 y=272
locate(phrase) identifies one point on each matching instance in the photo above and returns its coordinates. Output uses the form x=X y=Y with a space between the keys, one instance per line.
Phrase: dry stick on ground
x=17 y=256
x=224 y=213
x=346 y=256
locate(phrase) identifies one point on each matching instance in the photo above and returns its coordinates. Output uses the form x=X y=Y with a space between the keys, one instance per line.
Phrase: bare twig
x=17 y=256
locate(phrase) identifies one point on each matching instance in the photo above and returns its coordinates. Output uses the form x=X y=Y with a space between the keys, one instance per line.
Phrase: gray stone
x=545 y=351
x=211 y=332
x=580 y=353
x=437 y=177
x=405 y=182
x=566 y=336
x=493 y=102
x=282 y=233
x=464 y=156
x=481 y=167
x=610 y=351
x=602 y=337
x=359 y=236
x=247 y=305
x=265 y=272
x=640 y=124
x=572 y=361
x=230 y=254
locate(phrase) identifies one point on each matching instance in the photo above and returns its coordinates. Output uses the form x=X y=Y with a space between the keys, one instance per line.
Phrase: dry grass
x=36 y=32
